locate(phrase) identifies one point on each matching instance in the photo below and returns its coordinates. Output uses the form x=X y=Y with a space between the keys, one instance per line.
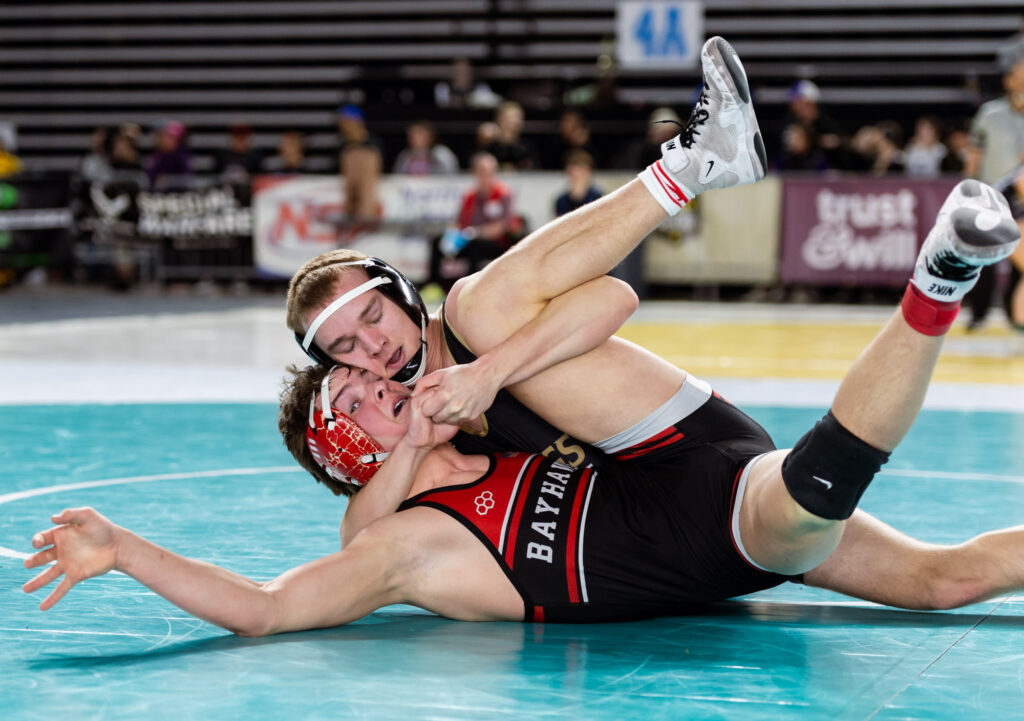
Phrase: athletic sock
x=664 y=189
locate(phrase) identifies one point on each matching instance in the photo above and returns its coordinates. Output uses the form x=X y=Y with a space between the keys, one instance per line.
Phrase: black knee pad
x=829 y=469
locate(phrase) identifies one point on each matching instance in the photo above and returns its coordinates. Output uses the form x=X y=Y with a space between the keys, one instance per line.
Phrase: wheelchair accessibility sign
x=659 y=34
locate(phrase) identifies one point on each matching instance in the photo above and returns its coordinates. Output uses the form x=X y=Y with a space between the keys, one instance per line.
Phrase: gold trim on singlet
x=445 y=325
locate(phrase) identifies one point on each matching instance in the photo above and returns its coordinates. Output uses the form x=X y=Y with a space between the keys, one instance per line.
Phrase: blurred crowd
x=805 y=138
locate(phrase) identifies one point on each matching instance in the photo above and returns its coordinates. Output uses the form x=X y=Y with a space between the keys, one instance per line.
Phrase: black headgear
x=392 y=285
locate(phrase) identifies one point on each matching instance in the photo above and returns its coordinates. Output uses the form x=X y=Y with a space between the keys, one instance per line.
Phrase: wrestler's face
x=381 y=407
x=368 y=332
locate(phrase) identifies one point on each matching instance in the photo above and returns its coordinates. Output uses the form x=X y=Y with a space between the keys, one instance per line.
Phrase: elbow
x=250 y=632
x=253 y=628
x=261 y=618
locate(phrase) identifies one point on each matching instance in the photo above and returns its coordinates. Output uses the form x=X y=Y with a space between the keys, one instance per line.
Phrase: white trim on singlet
x=691 y=395
x=583 y=527
x=740 y=490
x=512 y=503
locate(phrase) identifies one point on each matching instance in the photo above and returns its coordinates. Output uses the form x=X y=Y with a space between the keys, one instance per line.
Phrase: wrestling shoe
x=721 y=144
x=974 y=228
x=974 y=193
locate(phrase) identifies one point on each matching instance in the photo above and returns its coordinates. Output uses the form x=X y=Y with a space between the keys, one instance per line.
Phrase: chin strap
x=419 y=360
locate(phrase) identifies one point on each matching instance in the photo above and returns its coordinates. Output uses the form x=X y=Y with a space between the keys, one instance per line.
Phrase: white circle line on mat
x=60 y=488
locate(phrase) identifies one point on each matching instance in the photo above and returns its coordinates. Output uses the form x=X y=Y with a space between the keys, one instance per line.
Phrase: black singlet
x=623 y=539
x=509 y=425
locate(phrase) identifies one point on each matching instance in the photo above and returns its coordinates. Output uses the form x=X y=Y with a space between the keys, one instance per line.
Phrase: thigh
x=777 y=533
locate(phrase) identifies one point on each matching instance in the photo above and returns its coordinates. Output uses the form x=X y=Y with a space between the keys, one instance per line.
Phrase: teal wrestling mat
x=215 y=483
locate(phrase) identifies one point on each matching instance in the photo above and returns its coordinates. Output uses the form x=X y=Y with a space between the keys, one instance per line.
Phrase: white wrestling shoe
x=974 y=228
x=720 y=145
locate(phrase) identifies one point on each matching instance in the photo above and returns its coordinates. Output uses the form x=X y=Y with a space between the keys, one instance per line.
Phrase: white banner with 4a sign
x=659 y=34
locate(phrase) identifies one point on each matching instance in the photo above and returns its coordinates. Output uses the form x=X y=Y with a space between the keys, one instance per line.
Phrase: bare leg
x=570 y=250
x=592 y=240
x=877 y=401
x=882 y=393
x=877 y=563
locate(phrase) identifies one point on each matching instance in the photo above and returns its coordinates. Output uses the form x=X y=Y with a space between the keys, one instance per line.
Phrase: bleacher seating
x=67 y=67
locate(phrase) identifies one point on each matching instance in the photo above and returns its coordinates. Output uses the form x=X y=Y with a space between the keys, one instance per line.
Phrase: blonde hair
x=313 y=285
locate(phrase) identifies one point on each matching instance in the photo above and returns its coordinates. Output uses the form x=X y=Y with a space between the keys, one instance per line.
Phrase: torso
x=622 y=541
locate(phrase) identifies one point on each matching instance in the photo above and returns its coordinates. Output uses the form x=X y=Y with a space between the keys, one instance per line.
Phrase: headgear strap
x=401 y=292
x=338 y=303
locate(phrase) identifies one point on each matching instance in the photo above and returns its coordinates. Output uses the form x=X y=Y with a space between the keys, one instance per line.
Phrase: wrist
x=495 y=369
x=124 y=549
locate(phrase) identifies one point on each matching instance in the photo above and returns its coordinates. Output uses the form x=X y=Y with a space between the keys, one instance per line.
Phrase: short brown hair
x=313 y=285
x=293 y=419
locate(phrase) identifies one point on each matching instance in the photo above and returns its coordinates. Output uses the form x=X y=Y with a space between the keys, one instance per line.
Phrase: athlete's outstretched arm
x=515 y=342
x=327 y=592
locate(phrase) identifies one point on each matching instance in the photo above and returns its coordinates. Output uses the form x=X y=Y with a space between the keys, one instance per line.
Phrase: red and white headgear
x=340 y=445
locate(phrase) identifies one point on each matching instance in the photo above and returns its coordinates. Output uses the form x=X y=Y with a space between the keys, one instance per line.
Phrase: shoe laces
x=698 y=116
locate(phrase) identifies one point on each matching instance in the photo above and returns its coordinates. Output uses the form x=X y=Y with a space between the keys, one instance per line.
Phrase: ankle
x=663 y=188
x=928 y=315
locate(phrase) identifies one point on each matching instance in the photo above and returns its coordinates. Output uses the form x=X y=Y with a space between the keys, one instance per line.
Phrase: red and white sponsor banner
x=863 y=231
x=299 y=217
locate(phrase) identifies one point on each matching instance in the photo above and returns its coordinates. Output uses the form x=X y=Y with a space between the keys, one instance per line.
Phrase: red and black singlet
x=581 y=544
x=529 y=512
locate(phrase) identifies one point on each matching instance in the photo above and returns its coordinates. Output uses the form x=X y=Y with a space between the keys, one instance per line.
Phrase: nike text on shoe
x=973 y=229
x=720 y=145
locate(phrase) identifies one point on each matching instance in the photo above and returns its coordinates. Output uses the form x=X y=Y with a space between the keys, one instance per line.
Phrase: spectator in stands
x=958 y=147
x=487 y=224
x=804 y=107
x=663 y=124
x=997 y=148
x=486 y=136
x=290 y=157
x=95 y=166
x=462 y=92
x=573 y=135
x=170 y=165
x=124 y=149
x=239 y=161
x=800 y=150
x=926 y=151
x=579 y=172
x=879 y=147
x=10 y=164
x=360 y=162
x=423 y=154
x=510 y=149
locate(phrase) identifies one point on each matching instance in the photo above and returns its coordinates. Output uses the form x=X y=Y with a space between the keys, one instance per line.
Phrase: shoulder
x=992 y=109
x=500 y=191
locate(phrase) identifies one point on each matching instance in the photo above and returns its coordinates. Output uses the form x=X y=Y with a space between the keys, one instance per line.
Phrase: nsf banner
x=659 y=34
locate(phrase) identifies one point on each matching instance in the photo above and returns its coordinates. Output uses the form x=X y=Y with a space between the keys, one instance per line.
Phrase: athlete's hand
x=83 y=545
x=423 y=432
x=458 y=394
